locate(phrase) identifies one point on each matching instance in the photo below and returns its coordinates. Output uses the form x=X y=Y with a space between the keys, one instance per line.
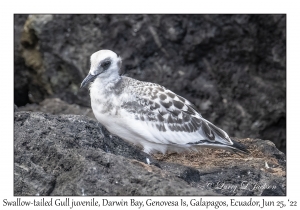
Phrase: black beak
x=89 y=78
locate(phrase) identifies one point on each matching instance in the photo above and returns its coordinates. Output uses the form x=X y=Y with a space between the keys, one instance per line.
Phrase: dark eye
x=105 y=64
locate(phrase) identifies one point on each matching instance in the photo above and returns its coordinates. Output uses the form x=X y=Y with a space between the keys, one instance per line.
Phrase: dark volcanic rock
x=57 y=106
x=15 y=108
x=21 y=71
x=75 y=155
x=232 y=67
x=259 y=173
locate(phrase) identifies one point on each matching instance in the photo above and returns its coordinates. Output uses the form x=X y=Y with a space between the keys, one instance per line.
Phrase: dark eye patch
x=105 y=64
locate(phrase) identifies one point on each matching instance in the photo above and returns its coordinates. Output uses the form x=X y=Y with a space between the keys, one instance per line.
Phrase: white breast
x=107 y=110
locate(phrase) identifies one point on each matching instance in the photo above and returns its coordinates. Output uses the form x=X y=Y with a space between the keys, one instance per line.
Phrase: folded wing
x=174 y=118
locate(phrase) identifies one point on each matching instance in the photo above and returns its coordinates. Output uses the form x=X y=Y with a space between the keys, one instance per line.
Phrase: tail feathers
x=220 y=138
x=235 y=147
x=238 y=147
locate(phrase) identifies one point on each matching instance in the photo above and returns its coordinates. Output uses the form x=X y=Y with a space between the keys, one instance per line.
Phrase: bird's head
x=105 y=64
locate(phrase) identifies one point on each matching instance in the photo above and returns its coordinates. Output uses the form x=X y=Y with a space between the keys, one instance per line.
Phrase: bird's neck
x=106 y=85
x=104 y=94
x=111 y=85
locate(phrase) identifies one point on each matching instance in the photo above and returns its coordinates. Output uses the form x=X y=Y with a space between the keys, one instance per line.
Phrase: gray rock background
x=232 y=67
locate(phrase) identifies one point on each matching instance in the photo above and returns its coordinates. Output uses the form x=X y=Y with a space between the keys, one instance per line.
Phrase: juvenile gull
x=148 y=114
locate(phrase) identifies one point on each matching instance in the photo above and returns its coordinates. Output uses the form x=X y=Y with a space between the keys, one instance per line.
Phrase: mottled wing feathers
x=169 y=112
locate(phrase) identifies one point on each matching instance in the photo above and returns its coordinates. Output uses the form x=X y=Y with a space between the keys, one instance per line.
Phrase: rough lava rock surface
x=232 y=67
x=75 y=155
x=56 y=106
